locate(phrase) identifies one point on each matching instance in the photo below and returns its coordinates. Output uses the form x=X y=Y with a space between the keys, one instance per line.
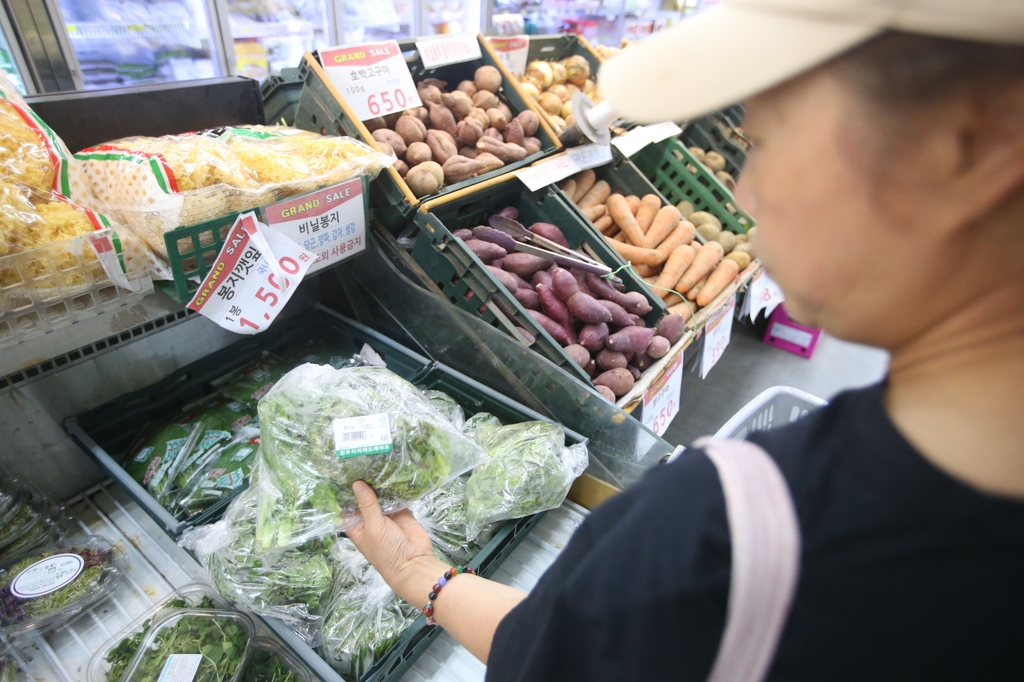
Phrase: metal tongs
x=535 y=245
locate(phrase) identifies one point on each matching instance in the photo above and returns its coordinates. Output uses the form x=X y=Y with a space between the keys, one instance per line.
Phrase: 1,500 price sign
x=373 y=78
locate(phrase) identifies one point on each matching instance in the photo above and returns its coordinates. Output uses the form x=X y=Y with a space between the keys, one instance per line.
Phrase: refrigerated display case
x=133 y=42
x=12 y=63
x=265 y=36
x=439 y=17
x=375 y=20
x=599 y=21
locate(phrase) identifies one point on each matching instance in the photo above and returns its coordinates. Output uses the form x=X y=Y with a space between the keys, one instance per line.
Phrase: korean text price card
x=330 y=222
x=717 y=333
x=257 y=271
x=661 y=401
x=448 y=49
x=373 y=78
x=763 y=294
x=512 y=50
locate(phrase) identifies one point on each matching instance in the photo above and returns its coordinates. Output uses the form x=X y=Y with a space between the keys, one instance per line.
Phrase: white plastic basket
x=776 y=406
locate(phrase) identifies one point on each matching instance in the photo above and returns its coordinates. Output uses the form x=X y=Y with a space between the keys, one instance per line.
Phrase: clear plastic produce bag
x=294 y=584
x=528 y=470
x=442 y=514
x=323 y=429
x=221 y=471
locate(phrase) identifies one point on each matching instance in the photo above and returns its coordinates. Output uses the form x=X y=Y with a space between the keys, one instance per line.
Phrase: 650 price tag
x=373 y=78
x=256 y=272
x=661 y=401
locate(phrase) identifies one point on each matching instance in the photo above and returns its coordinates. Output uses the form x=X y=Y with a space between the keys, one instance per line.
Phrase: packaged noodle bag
x=30 y=153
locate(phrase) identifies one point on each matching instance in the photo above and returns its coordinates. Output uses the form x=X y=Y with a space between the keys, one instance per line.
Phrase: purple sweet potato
x=658 y=347
x=593 y=336
x=523 y=284
x=642 y=361
x=591 y=369
x=672 y=327
x=528 y=298
x=586 y=309
x=639 y=305
x=549 y=231
x=497 y=263
x=579 y=354
x=541 y=277
x=524 y=264
x=609 y=359
x=564 y=284
x=620 y=381
x=637 y=320
x=557 y=331
x=620 y=318
x=504 y=277
x=463 y=234
x=553 y=306
x=634 y=371
x=510 y=212
x=606 y=393
x=602 y=289
x=630 y=340
x=485 y=251
x=489 y=234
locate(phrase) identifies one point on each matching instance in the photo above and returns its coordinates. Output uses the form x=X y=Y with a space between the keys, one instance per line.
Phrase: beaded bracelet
x=428 y=610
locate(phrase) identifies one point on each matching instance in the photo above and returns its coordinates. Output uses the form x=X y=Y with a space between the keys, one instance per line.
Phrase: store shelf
x=98 y=31
x=155 y=567
x=284 y=29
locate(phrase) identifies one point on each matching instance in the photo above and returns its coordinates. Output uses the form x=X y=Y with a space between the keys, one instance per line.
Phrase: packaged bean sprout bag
x=157 y=184
x=323 y=429
x=48 y=586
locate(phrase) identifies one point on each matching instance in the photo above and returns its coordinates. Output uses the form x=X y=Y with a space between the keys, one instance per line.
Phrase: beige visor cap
x=741 y=48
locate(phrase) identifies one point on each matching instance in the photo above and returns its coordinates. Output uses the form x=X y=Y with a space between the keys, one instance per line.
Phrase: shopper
x=887 y=179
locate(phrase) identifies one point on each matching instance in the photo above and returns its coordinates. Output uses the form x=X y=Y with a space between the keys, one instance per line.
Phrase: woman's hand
x=397 y=546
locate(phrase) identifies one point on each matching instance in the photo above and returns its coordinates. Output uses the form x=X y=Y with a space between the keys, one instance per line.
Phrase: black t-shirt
x=906 y=574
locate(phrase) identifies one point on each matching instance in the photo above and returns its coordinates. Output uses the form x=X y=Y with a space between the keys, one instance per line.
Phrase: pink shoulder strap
x=765 y=536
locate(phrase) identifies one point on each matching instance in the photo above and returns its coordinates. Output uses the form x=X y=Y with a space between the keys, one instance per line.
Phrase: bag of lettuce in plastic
x=442 y=514
x=323 y=429
x=220 y=472
x=528 y=470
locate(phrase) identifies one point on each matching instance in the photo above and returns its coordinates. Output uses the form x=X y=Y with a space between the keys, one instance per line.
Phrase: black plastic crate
x=466 y=281
x=705 y=134
x=280 y=92
x=322 y=109
x=106 y=432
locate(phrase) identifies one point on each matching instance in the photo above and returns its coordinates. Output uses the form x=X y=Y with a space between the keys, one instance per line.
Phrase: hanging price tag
x=512 y=50
x=590 y=155
x=330 y=222
x=641 y=136
x=256 y=272
x=547 y=172
x=717 y=333
x=663 y=131
x=373 y=78
x=448 y=49
x=661 y=401
x=763 y=294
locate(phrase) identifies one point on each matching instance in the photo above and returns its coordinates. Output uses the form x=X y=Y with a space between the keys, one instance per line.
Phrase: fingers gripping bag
x=322 y=429
x=528 y=470
x=293 y=584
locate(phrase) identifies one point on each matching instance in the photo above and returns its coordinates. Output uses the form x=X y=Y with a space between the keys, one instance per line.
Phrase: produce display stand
x=281 y=92
x=323 y=109
x=680 y=177
x=467 y=282
x=556 y=48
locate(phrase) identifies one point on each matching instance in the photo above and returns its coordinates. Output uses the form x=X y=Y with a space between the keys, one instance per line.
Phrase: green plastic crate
x=466 y=281
x=393 y=202
x=558 y=47
x=680 y=177
x=280 y=92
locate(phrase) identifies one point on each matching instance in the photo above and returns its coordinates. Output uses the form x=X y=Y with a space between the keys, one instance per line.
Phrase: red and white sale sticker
x=448 y=49
x=512 y=50
x=717 y=333
x=256 y=272
x=330 y=222
x=661 y=401
x=373 y=78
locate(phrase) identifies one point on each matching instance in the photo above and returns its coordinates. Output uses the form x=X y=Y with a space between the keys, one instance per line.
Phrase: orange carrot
x=703 y=263
x=620 y=237
x=694 y=291
x=649 y=206
x=665 y=221
x=618 y=209
x=646 y=270
x=569 y=187
x=634 y=203
x=604 y=223
x=592 y=213
x=682 y=234
x=684 y=309
x=650 y=280
x=674 y=268
x=722 y=277
x=635 y=254
x=598 y=194
x=584 y=183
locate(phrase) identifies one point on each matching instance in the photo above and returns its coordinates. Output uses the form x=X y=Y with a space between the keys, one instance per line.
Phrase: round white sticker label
x=43 y=577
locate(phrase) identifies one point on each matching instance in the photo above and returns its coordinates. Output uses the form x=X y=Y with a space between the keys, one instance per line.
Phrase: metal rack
x=155 y=566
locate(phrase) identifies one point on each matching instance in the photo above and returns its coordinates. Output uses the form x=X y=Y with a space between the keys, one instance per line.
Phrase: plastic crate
x=106 y=432
x=467 y=282
x=58 y=284
x=776 y=406
x=322 y=109
x=558 y=47
x=281 y=92
x=680 y=177
x=705 y=134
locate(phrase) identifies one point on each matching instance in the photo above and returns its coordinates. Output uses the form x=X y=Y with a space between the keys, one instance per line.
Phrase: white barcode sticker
x=368 y=435
x=180 y=668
